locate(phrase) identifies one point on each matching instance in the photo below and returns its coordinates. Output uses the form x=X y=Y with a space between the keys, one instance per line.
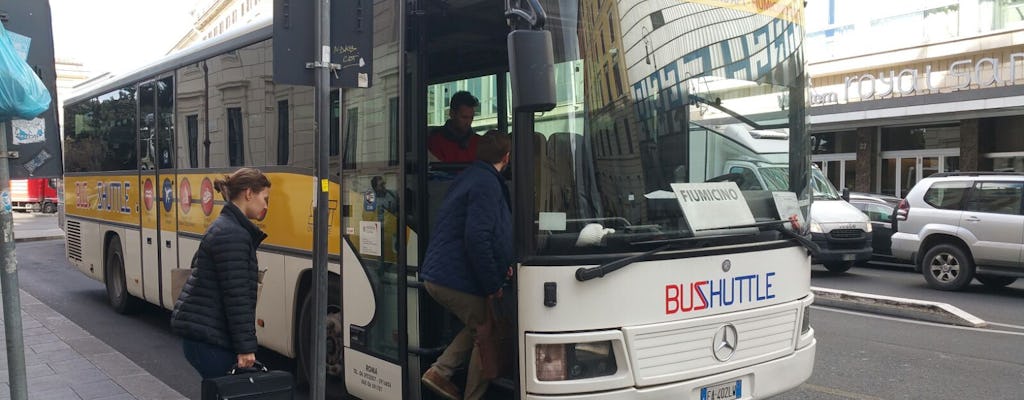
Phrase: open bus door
x=392 y=330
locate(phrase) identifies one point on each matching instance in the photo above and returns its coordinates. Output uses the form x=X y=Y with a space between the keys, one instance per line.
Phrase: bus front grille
x=74 y=240
x=682 y=350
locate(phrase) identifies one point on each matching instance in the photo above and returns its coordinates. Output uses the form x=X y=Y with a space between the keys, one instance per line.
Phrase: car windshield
x=822 y=188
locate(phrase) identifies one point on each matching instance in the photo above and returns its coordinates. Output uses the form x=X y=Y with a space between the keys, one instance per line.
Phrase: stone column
x=969 y=149
x=867 y=159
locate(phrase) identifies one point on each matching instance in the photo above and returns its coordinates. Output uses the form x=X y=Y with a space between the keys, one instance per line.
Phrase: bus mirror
x=532 y=66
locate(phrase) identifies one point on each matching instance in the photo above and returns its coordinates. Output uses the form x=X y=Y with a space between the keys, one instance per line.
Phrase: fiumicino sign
x=709 y=207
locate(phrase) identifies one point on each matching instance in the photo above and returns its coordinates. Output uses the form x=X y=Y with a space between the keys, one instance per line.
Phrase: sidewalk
x=63 y=361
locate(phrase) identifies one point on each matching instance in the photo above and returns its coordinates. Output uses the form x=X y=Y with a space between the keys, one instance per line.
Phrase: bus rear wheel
x=335 y=338
x=117 y=288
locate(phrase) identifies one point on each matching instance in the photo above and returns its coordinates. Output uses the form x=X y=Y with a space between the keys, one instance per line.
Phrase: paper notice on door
x=369 y=238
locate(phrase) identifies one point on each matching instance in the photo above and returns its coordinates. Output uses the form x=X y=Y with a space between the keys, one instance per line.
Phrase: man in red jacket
x=456 y=142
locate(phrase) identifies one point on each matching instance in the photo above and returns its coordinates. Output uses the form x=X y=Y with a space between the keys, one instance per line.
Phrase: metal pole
x=9 y=282
x=322 y=84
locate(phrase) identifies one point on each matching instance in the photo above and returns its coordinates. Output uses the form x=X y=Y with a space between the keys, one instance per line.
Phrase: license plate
x=725 y=391
x=849 y=257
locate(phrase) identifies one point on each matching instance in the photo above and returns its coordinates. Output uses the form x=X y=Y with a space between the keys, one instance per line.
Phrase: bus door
x=432 y=79
x=157 y=184
x=365 y=146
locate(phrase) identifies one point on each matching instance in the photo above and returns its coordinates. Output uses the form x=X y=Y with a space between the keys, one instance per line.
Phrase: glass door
x=900 y=172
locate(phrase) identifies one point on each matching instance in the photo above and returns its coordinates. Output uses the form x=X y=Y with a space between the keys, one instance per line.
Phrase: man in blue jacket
x=468 y=257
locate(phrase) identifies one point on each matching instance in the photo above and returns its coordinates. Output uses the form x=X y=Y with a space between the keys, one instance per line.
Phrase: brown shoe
x=440 y=385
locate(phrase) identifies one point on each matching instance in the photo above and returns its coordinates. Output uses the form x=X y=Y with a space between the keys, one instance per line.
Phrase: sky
x=117 y=35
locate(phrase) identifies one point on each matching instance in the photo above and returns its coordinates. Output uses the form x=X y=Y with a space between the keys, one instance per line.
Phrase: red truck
x=34 y=194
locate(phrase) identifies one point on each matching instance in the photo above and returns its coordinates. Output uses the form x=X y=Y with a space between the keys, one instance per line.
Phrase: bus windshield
x=653 y=101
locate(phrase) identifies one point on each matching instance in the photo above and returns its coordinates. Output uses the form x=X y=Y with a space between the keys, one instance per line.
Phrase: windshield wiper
x=584 y=274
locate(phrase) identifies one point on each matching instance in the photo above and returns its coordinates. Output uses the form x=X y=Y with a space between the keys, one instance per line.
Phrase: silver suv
x=958 y=226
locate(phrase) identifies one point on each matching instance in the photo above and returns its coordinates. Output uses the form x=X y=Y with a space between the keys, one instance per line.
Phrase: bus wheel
x=335 y=337
x=49 y=208
x=117 y=289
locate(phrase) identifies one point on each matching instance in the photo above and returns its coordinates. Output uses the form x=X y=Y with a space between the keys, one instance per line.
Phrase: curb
x=923 y=310
x=37 y=238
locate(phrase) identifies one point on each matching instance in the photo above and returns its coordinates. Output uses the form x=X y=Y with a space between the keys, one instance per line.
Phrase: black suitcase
x=250 y=384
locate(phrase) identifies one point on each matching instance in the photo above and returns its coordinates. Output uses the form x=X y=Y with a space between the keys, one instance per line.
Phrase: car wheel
x=838 y=268
x=947 y=267
x=117 y=288
x=49 y=208
x=995 y=281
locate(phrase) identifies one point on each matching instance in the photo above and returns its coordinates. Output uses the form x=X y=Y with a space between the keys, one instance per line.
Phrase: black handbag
x=257 y=383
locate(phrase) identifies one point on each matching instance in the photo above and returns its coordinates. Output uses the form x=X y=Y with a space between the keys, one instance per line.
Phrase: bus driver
x=456 y=142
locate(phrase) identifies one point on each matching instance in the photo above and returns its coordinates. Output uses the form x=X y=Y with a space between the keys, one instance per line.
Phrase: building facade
x=214 y=17
x=903 y=90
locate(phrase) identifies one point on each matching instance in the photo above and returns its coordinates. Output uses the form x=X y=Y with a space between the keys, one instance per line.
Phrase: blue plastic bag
x=22 y=93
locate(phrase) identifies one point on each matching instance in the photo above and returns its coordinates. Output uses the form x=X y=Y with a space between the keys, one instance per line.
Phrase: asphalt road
x=859 y=356
x=1000 y=306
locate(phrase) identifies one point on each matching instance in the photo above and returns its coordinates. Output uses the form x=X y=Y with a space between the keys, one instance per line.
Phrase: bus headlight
x=570 y=361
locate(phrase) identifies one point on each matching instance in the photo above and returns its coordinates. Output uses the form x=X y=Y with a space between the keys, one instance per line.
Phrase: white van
x=841 y=230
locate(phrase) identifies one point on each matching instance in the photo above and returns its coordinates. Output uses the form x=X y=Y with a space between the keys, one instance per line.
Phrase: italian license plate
x=849 y=257
x=725 y=391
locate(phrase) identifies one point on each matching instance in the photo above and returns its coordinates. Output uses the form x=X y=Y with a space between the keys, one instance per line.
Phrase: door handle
x=167 y=243
x=972 y=219
x=149 y=241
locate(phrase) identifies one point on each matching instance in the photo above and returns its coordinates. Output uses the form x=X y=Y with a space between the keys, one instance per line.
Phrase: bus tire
x=335 y=338
x=113 y=274
x=49 y=208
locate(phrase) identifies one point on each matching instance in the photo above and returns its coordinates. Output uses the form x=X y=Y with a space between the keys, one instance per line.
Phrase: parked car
x=881 y=211
x=956 y=227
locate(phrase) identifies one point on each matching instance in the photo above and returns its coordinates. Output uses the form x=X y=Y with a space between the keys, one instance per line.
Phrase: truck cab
x=842 y=232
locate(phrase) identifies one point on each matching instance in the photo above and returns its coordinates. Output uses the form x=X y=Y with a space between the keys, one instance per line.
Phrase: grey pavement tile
x=99 y=390
x=39 y=330
x=50 y=347
x=44 y=383
x=115 y=364
x=52 y=356
x=40 y=338
x=64 y=393
x=39 y=310
x=124 y=396
x=75 y=364
x=89 y=345
x=87 y=375
x=145 y=386
x=68 y=332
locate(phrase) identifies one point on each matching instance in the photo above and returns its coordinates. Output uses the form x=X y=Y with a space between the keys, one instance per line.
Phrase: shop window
x=834 y=142
x=921 y=137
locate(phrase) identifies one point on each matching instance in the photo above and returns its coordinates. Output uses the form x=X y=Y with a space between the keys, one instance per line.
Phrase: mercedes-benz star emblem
x=725 y=342
x=726 y=265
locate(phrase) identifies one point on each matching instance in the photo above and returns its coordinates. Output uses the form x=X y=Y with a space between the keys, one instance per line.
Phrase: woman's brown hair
x=232 y=186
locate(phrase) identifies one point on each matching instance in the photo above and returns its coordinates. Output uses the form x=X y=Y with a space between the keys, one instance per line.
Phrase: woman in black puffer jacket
x=216 y=311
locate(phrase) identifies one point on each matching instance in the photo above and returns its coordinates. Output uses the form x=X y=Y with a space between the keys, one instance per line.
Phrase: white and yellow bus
x=644 y=270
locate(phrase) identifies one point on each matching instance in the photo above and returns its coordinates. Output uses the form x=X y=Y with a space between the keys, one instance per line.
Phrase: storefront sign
x=962 y=75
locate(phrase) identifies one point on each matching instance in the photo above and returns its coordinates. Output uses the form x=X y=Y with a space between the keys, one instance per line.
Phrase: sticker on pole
x=711 y=207
x=5 y=202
